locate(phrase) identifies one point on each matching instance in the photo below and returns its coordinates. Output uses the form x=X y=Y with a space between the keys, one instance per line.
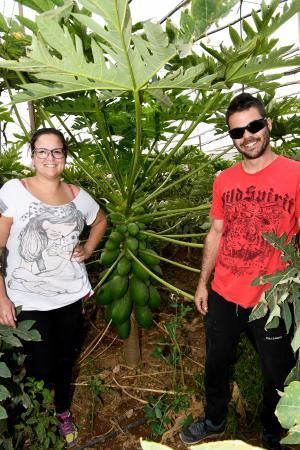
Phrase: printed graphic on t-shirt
x=45 y=247
x=247 y=214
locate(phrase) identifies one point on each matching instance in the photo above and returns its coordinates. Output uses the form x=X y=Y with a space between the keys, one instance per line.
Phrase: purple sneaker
x=67 y=428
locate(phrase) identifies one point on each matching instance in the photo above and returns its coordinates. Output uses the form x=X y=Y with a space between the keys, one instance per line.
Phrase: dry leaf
x=129 y=413
x=116 y=369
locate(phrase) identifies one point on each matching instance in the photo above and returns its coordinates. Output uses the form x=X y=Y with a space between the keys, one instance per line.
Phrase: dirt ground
x=110 y=397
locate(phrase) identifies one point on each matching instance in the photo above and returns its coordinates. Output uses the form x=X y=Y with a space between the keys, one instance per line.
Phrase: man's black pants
x=52 y=359
x=224 y=323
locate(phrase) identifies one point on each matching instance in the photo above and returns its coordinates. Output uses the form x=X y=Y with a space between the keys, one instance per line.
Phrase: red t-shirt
x=249 y=204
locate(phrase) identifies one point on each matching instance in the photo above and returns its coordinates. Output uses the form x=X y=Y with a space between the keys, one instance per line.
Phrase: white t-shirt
x=40 y=273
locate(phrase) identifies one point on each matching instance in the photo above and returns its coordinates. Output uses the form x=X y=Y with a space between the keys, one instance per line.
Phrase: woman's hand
x=81 y=253
x=7 y=312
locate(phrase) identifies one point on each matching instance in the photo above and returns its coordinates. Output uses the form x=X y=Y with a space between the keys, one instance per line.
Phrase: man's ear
x=269 y=123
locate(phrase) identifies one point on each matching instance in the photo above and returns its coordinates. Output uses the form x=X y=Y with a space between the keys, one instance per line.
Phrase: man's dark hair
x=243 y=102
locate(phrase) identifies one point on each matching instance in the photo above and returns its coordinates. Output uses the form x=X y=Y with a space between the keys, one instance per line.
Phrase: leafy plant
x=159 y=411
x=288 y=412
x=95 y=387
x=38 y=426
x=282 y=296
x=13 y=395
x=169 y=350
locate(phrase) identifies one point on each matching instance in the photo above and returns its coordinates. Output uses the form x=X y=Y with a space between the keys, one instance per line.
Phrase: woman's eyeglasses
x=253 y=127
x=43 y=153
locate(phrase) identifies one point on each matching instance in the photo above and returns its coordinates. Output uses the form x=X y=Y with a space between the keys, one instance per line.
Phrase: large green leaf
x=124 y=61
x=41 y=5
x=288 y=408
x=4 y=370
x=3 y=413
x=4 y=393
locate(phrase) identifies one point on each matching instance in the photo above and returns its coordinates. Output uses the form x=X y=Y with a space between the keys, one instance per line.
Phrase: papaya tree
x=129 y=97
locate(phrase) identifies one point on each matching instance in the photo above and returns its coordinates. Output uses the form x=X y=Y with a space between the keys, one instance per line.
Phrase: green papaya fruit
x=123 y=266
x=149 y=257
x=116 y=217
x=154 y=298
x=123 y=329
x=142 y=245
x=133 y=229
x=144 y=316
x=121 y=310
x=138 y=210
x=109 y=256
x=119 y=285
x=122 y=228
x=138 y=291
x=116 y=236
x=111 y=245
x=132 y=243
x=104 y=295
x=108 y=311
x=157 y=270
x=139 y=271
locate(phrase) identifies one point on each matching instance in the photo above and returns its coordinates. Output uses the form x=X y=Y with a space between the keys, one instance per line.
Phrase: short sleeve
x=88 y=206
x=7 y=194
x=216 y=211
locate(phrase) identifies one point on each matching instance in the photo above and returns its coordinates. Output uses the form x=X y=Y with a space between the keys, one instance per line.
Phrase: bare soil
x=114 y=419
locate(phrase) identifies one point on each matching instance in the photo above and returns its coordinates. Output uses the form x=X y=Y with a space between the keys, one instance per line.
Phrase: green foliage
x=283 y=296
x=12 y=392
x=38 y=427
x=158 y=412
x=95 y=388
x=10 y=164
x=288 y=412
x=168 y=349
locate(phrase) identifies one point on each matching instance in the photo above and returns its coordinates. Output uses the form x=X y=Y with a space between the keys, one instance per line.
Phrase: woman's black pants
x=224 y=323
x=52 y=359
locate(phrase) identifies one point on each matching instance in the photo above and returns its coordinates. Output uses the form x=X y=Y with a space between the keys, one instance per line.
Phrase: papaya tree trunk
x=131 y=346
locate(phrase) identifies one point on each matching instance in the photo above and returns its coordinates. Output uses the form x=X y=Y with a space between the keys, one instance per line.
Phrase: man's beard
x=265 y=141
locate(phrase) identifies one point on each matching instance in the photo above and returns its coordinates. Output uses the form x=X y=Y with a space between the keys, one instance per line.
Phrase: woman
x=40 y=224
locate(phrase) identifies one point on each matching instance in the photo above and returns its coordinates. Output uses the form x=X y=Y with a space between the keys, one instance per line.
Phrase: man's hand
x=201 y=297
x=7 y=312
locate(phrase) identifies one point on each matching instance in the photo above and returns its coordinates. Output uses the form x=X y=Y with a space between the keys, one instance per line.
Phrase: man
x=259 y=194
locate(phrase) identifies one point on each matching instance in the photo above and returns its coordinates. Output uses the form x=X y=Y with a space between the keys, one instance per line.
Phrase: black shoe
x=201 y=429
x=270 y=441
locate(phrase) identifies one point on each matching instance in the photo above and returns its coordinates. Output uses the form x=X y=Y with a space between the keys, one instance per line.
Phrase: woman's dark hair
x=43 y=131
x=243 y=102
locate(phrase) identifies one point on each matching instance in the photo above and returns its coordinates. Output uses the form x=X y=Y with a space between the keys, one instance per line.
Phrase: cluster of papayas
x=130 y=287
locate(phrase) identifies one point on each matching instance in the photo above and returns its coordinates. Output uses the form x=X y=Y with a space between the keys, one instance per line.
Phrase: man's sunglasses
x=253 y=127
